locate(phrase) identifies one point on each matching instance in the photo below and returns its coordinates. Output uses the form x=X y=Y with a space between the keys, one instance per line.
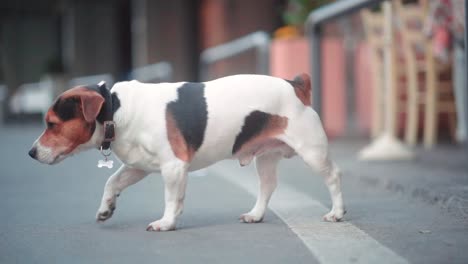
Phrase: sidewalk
x=49 y=211
x=436 y=177
x=48 y=216
x=397 y=212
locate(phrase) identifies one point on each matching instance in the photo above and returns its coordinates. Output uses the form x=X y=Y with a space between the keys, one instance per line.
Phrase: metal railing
x=313 y=26
x=37 y=97
x=158 y=72
x=260 y=41
x=92 y=79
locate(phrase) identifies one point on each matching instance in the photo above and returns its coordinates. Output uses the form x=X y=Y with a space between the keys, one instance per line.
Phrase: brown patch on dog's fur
x=63 y=136
x=302 y=88
x=264 y=140
x=176 y=140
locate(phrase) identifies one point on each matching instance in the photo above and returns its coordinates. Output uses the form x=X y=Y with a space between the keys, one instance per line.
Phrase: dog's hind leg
x=266 y=170
x=306 y=136
x=116 y=183
x=332 y=177
x=175 y=181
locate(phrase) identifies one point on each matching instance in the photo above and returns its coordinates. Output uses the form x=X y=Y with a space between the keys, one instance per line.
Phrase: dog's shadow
x=185 y=222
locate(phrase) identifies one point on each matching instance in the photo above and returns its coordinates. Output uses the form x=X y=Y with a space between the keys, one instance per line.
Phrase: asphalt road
x=48 y=216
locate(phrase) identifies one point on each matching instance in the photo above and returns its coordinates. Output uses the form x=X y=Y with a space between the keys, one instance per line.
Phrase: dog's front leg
x=175 y=180
x=116 y=183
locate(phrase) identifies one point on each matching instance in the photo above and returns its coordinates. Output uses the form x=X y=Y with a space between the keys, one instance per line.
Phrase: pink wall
x=289 y=57
x=363 y=85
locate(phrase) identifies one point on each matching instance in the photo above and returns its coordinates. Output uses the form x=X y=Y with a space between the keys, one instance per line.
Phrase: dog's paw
x=161 y=225
x=334 y=216
x=250 y=218
x=104 y=214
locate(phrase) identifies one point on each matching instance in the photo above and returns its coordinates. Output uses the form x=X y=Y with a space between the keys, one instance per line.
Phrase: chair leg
x=412 y=111
x=377 y=115
x=431 y=111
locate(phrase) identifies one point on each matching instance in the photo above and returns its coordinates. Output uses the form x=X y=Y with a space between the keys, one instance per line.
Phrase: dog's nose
x=33 y=152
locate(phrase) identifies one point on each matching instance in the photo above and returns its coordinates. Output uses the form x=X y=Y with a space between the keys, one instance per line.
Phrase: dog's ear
x=91 y=104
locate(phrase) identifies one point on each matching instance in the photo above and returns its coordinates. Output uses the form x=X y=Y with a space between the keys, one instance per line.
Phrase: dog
x=174 y=128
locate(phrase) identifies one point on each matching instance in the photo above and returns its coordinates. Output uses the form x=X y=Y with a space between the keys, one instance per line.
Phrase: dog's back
x=204 y=121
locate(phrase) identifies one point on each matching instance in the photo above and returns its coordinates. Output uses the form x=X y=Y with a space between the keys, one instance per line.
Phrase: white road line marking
x=329 y=242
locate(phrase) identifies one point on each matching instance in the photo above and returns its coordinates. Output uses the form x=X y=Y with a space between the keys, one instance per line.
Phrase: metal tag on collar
x=106 y=162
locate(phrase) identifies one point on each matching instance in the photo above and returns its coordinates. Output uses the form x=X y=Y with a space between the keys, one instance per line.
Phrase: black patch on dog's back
x=254 y=124
x=190 y=113
x=66 y=108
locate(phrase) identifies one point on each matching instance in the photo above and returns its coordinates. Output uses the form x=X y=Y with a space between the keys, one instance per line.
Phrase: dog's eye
x=50 y=125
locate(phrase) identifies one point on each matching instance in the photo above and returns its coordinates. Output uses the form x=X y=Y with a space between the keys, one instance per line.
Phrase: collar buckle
x=109 y=131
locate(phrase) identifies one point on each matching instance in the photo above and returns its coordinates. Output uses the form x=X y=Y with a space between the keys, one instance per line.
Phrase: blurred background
x=49 y=46
x=67 y=39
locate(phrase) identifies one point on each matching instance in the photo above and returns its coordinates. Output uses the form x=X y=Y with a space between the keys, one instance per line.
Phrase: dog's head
x=70 y=125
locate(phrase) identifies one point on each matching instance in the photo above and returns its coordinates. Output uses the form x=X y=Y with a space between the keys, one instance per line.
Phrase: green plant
x=296 y=11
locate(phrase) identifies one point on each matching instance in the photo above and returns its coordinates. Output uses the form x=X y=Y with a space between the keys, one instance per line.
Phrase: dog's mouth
x=54 y=161
x=51 y=156
x=46 y=156
x=58 y=159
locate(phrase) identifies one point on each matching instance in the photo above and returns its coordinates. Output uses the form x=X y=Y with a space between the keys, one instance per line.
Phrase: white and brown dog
x=174 y=128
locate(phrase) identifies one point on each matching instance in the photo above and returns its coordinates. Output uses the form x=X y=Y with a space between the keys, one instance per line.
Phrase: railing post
x=203 y=70
x=263 y=57
x=316 y=67
x=466 y=69
x=314 y=22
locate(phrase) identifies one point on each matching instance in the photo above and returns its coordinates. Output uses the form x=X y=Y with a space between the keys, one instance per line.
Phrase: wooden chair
x=437 y=93
x=373 y=23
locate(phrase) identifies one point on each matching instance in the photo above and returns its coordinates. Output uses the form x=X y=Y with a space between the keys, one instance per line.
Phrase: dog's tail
x=302 y=88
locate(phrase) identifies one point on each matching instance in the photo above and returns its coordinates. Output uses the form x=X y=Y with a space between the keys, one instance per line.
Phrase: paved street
x=399 y=212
